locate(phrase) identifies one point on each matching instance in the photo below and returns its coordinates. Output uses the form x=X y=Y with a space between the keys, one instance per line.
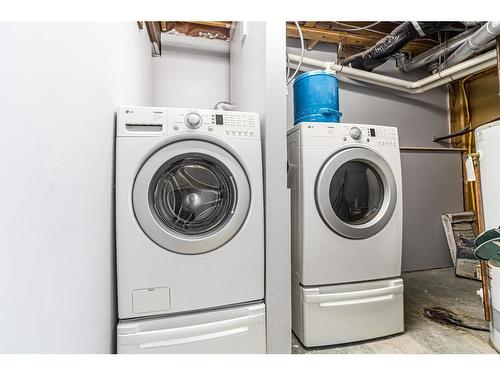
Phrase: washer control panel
x=161 y=121
x=226 y=124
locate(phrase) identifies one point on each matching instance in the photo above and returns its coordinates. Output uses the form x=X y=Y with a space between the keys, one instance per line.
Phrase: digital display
x=372 y=132
x=219 y=119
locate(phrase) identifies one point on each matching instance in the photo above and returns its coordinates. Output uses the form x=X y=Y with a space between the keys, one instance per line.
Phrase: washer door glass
x=192 y=194
x=191 y=197
x=356 y=192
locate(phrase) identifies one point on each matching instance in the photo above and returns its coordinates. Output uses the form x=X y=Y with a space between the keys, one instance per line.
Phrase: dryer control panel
x=160 y=121
x=314 y=133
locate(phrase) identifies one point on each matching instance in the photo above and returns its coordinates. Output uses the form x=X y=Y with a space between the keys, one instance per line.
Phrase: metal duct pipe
x=490 y=45
x=436 y=52
x=458 y=71
x=475 y=42
x=470 y=23
x=391 y=43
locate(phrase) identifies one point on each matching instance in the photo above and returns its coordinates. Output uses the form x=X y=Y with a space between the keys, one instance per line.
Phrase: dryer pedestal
x=343 y=313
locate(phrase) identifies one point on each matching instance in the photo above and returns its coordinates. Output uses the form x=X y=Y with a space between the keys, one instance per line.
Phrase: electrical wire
x=355 y=28
x=302 y=48
x=287 y=65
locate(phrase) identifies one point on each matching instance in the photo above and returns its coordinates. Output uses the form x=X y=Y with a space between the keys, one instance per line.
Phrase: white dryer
x=345 y=182
x=189 y=210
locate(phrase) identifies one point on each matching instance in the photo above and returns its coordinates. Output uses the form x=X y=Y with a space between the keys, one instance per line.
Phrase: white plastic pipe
x=458 y=71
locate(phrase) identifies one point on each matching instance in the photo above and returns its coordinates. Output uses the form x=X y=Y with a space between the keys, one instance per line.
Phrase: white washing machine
x=345 y=182
x=189 y=211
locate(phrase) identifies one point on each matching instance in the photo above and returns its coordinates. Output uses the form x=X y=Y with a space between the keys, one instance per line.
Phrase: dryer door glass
x=192 y=194
x=356 y=192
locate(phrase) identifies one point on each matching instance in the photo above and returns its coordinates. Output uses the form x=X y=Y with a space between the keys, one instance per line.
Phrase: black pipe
x=465 y=130
x=392 y=43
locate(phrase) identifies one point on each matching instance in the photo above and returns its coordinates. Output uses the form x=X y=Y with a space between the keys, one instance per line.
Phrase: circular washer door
x=191 y=197
x=356 y=193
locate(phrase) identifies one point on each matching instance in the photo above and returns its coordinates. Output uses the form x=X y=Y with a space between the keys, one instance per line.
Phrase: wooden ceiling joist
x=224 y=24
x=310 y=23
x=362 y=39
x=310 y=44
x=154 y=32
x=209 y=29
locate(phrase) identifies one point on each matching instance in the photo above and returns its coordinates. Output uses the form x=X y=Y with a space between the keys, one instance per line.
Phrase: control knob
x=193 y=120
x=355 y=133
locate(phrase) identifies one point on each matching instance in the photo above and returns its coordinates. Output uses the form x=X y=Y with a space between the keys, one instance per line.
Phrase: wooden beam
x=154 y=33
x=310 y=44
x=310 y=23
x=498 y=66
x=366 y=39
x=226 y=25
x=483 y=95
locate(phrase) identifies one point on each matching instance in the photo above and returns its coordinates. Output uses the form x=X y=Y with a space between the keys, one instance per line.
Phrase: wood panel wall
x=474 y=101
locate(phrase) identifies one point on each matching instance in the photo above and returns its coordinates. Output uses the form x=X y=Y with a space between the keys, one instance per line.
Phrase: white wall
x=191 y=73
x=258 y=85
x=59 y=87
x=431 y=180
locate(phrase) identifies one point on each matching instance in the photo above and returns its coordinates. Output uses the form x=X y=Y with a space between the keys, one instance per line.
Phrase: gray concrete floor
x=439 y=287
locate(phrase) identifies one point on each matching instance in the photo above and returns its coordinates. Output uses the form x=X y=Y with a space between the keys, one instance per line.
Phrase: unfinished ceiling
x=356 y=37
x=337 y=32
x=206 y=29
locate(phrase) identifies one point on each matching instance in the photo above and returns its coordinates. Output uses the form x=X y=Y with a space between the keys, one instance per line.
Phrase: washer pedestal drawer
x=343 y=313
x=232 y=330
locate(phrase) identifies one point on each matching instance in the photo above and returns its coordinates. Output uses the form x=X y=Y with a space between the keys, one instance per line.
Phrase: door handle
x=191 y=339
x=352 y=296
x=389 y=297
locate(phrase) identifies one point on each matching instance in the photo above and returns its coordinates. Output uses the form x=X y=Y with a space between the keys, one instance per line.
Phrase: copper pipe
x=486 y=290
x=498 y=65
x=480 y=227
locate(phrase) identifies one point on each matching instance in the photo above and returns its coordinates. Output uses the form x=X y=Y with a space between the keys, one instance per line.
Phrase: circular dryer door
x=356 y=192
x=191 y=197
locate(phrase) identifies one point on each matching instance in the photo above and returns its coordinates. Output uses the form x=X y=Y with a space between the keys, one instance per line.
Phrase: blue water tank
x=316 y=97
